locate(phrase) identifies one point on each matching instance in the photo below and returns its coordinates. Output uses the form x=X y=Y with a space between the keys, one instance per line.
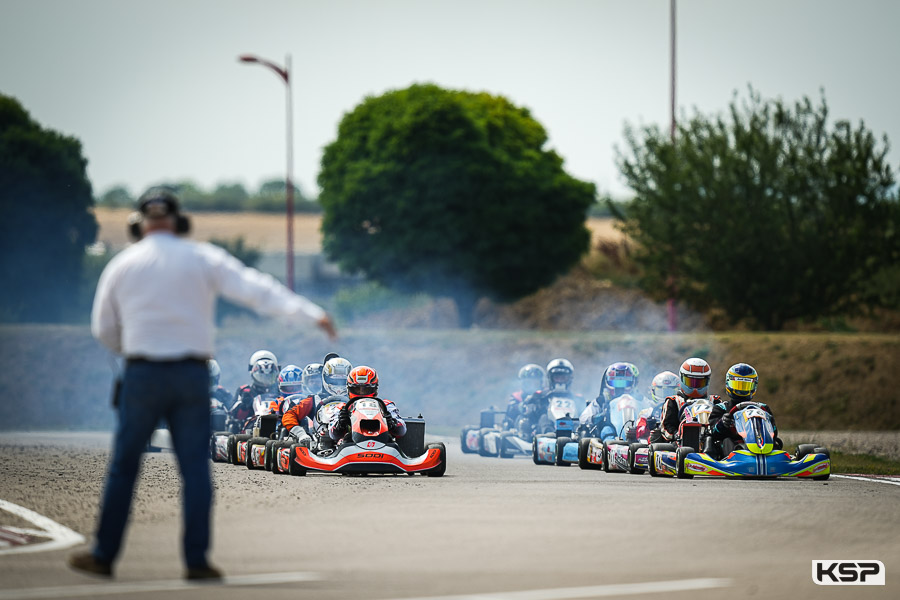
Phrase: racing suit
x=722 y=425
x=513 y=408
x=670 y=417
x=242 y=405
x=298 y=409
x=594 y=419
x=219 y=399
x=338 y=427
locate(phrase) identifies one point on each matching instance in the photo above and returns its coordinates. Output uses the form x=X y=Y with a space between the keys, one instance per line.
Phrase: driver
x=263 y=369
x=531 y=380
x=741 y=382
x=619 y=379
x=363 y=383
x=560 y=374
x=693 y=385
x=301 y=405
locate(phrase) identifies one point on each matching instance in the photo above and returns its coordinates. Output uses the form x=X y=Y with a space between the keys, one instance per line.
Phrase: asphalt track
x=490 y=529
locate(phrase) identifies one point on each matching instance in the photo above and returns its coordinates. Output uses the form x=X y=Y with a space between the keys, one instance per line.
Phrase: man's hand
x=343 y=420
x=391 y=422
x=327 y=326
x=727 y=422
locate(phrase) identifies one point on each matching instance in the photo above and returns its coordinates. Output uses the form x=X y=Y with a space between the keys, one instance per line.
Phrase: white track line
x=595 y=591
x=60 y=536
x=869 y=479
x=137 y=587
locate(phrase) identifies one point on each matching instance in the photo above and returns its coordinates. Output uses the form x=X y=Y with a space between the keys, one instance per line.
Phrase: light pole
x=285 y=74
x=670 y=304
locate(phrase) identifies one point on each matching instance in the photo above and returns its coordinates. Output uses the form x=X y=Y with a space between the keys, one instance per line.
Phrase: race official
x=155 y=305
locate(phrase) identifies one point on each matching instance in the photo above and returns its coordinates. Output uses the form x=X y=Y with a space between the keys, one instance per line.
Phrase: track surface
x=489 y=526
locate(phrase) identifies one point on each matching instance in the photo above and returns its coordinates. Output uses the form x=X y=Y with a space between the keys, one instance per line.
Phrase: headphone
x=136 y=219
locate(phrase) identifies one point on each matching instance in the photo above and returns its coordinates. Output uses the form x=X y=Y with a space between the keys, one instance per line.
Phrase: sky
x=154 y=91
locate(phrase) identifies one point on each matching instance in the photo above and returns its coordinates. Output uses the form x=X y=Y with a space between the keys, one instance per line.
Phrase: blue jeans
x=177 y=392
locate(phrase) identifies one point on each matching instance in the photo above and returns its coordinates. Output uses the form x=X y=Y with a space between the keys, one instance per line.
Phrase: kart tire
x=583 y=445
x=804 y=449
x=482 y=451
x=534 y=452
x=238 y=437
x=651 y=461
x=502 y=445
x=295 y=468
x=462 y=440
x=439 y=470
x=632 y=452
x=560 y=446
x=680 y=455
x=270 y=444
x=274 y=463
x=604 y=458
x=212 y=443
x=257 y=441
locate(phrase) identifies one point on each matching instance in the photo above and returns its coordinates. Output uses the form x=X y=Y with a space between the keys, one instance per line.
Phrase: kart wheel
x=534 y=452
x=804 y=449
x=439 y=470
x=251 y=443
x=462 y=440
x=212 y=443
x=604 y=458
x=295 y=468
x=239 y=437
x=632 y=452
x=231 y=449
x=274 y=458
x=481 y=449
x=560 y=446
x=651 y=460
x=268 y=455
x=583 y=445
x=680 y=455
x=502 y=444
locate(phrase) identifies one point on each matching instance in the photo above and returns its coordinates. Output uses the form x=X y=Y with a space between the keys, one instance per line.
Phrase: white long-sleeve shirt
x=156 y=299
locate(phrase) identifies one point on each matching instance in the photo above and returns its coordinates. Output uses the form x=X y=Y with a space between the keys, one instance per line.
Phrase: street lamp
x=285 y=74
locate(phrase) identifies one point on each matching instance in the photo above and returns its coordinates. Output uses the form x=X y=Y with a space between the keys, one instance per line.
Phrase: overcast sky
x=153 y=89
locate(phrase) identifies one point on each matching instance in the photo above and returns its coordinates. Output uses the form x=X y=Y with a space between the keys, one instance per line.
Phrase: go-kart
x=756 y=455
x=693 y=432
x=319 y=442
x=623 y=451
x=260 y=426
x=560 y=446
x=492 y=439
x=369 y=448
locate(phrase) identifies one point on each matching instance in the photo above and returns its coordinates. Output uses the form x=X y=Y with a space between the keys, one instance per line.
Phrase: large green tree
x=771 y=212
x=451 y=193
x=45 y=217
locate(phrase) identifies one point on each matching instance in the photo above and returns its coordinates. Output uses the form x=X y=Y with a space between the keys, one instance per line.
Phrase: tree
x=770 y=213
x=46 y=218
x=116 y=197
x=450 y=193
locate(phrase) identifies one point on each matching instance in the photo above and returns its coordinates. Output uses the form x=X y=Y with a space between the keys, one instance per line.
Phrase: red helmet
x=362 y=382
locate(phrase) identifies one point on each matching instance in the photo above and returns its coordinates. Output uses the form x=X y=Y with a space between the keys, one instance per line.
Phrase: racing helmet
x=334 y=376
x=560 y=374
x=694 y=378
x=263 y=368
x=312 y=378
x=741 y=382
x=618 y=379
x=531 y=378
x=290 y=380
x=362 y=382
x=664 y=385
x=214 y=373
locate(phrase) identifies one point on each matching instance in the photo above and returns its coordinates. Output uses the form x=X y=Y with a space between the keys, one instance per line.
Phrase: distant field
x=263 y=230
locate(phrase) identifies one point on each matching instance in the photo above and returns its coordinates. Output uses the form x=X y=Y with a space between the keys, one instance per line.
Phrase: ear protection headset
x=155 y=196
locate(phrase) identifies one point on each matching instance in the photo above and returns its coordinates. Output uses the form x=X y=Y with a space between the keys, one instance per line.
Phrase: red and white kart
x=369 y=448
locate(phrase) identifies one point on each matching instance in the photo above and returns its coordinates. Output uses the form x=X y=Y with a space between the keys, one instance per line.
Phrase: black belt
x=137 y=360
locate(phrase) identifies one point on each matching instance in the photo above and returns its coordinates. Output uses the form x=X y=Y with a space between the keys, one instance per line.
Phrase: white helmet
x=214 y=373
x=334 y=376
x=664 y=384
x=560 y=374
x=312 y=378
x=263 y=368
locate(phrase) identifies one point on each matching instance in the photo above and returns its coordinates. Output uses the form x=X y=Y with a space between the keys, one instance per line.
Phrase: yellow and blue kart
x=756 y=458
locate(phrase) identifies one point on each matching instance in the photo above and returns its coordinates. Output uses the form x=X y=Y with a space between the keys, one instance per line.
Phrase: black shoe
x=87 y=563
x=200 y=573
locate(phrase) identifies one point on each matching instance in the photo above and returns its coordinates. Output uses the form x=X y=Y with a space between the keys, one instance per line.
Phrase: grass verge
x=865 y=464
